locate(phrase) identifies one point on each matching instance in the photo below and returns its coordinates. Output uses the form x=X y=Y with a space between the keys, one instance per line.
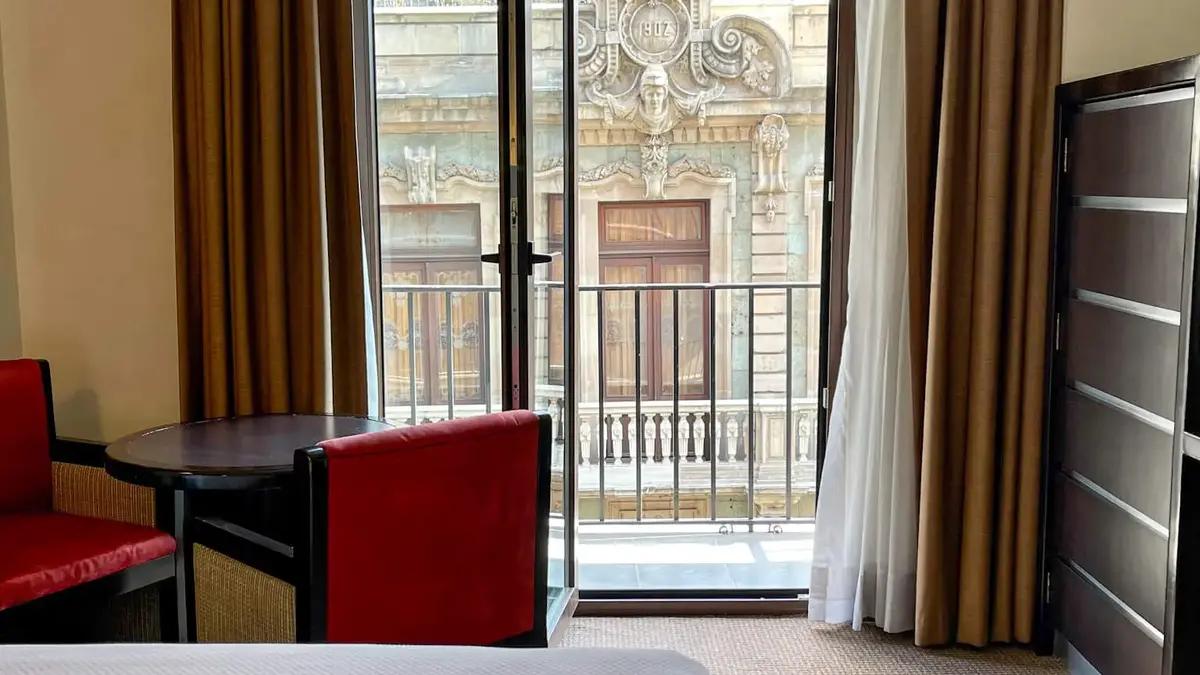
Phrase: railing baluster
x=579 y=440
x=740 y=447
x=707 y=421
x=594 y=441
x=412 y=358
x=609 y=458
x=658 y=448
x=625 y=456
x=724 y=454
x=691 y=446
x=559 y=437
x=787 y=405
x=637 y=398
x=449 y=307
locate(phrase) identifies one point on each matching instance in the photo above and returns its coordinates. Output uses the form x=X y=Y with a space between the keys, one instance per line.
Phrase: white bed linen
x=136 y=659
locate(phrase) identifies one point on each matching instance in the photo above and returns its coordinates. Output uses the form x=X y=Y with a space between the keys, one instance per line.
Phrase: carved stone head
x=652 y=92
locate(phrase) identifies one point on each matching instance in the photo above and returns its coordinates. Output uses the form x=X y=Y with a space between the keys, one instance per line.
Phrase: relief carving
x=632 y=65
x=770 y=147
x=653 y=64
x=419 y=169
x=654 y=165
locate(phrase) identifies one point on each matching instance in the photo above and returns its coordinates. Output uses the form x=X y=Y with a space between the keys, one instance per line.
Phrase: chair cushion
x=44 y=553
x=24 y=438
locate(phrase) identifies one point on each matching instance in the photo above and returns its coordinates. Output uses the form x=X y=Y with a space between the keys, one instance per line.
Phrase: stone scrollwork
x=470 y=172
x=700 y=167
x=609 y=169
x=632 y=64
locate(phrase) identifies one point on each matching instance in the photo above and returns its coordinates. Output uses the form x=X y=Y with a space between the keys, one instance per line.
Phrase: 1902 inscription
x=658 y=29
x=654 y=31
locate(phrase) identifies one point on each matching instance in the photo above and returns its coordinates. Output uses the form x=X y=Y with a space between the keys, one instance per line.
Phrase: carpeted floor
x=771 y=645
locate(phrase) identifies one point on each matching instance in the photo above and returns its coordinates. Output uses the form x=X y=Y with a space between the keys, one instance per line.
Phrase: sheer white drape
x=864 y=560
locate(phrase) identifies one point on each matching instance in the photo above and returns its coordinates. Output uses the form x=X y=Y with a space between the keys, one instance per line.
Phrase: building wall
x=88 y=92
x=1104 y=36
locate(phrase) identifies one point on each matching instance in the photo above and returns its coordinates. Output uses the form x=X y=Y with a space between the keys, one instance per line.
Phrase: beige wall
x=1104 y=36
x=87 y=87
x=10 y=309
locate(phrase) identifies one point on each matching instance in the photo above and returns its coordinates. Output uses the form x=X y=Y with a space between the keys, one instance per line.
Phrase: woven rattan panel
x=237 y=603
x=88 y=491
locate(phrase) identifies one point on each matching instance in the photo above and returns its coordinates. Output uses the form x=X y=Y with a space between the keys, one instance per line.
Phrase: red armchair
x=433 y=534
x=46 y=554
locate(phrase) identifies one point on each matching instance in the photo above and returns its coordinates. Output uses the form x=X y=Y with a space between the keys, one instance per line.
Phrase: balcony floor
x=693 y=557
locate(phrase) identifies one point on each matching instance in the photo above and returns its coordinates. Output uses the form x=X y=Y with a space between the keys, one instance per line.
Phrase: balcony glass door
x=477 y=224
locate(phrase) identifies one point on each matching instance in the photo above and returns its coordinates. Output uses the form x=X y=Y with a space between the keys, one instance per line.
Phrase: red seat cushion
x=24 y=438
x=43 y=553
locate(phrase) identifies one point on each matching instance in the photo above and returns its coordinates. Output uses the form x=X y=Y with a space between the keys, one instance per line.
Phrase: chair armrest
x=245 y=545
x=82 y=488
x=243 y=584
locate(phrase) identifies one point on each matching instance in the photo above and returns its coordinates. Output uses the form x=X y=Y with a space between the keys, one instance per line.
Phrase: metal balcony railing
x=761 y=445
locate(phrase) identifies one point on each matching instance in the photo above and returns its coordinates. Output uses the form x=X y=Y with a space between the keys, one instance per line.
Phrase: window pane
x=556 y=326
x=397 y=342
x=409 y=230
x=619 y=336
x=463 y=339
x=435 y=66
x=693 y=313
x=638 y=223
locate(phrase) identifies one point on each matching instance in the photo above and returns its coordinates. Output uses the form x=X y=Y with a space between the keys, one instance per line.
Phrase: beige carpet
x=773 y=645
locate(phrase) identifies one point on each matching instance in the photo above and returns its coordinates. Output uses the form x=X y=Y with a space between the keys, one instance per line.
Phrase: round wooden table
x=234 y=453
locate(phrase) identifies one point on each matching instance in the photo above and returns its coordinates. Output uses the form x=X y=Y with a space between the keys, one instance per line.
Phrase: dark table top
x=234 y=453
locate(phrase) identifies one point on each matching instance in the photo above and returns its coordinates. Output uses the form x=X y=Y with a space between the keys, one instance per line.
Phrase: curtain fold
x=269 y=234
x=865 y=541
x=979 y=232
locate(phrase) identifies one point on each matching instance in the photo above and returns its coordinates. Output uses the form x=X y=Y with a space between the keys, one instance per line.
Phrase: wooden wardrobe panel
x=1127 y=356
x=1136 y=151
x=1136 y=255
x=1100 y=631
x=1124 y=555
x=1122 y=454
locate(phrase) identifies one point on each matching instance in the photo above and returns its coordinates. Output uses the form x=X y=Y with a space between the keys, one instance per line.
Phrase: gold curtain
x=268 y=228
x=980 y=82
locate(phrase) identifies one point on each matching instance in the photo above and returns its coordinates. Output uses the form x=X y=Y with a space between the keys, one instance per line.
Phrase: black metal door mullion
x=570 y=294
x=515 y=86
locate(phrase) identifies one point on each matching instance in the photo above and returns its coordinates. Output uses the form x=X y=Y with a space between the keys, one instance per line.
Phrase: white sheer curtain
x=864 y=560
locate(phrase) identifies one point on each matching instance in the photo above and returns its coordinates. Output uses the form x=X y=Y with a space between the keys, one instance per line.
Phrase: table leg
x=177 y=599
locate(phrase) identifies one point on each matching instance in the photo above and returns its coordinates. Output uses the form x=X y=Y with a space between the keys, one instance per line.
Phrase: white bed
x=135 y=659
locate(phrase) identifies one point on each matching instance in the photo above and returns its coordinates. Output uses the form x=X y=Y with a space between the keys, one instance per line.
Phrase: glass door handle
x=534 y=258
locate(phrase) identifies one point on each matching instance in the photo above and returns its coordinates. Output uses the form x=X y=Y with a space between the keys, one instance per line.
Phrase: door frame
x=517 y=201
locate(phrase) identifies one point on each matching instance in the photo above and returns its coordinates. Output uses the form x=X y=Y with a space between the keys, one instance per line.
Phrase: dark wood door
x=1125 y=213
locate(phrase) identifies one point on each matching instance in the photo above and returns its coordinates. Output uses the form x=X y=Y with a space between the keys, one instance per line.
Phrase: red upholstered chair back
x=26 y=429
x=433 y=534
